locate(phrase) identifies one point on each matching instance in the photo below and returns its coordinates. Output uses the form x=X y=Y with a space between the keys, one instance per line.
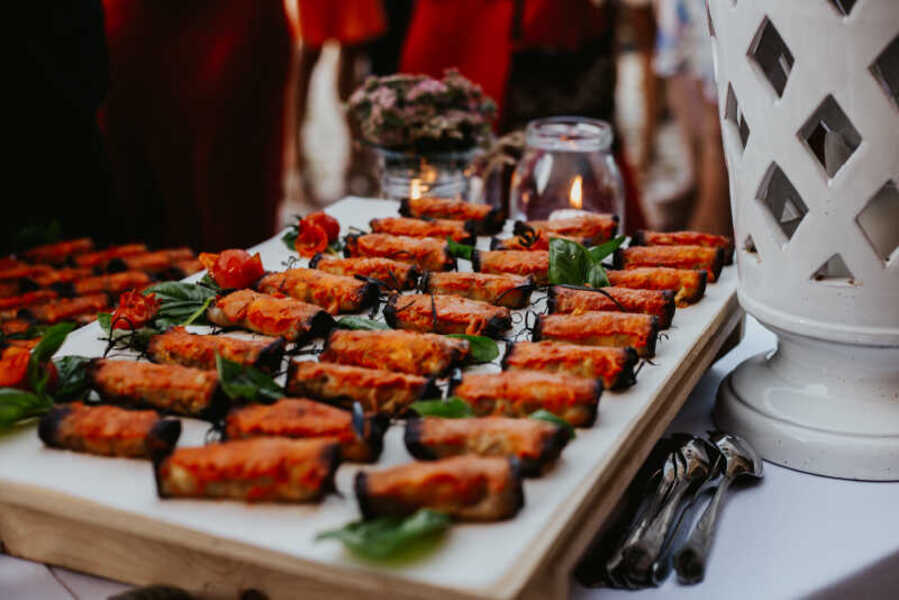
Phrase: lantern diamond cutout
x=830 y=136
x=879 y=221
x=769 y=51
x=734 y=116
x=834 y=271
x=844 y=6
x=885 y=70
x=778 y=195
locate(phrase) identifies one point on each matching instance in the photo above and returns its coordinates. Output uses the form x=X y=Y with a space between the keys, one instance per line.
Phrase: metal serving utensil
x=699 y=461
x=741 y=460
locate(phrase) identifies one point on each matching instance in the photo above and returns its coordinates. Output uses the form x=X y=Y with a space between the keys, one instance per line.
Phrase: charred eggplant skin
x=49 y=425
x=412 y=440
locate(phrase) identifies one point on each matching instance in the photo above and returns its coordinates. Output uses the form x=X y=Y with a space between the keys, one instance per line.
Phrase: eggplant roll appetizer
x=100 y=259
x=59 y=253
x=392 y=274
x=576 y=300
x=113 y=283
x=14 y=303
x=511 y=291
x=688 y=285
x=446 y=314
x=484 y=219
x=377 y=391
x=23 y=271
x=592 y=228
x=361 y=439
x=428 y=253
x=291 y=319
x=169 y=388
x=530 y=241
x=710 y=260
x=66 y=309
x=109 y=430
x=178 y=347
x=614 y=366
x=60 y=276
x=520 y=393
x=262 y=469
x=334 y=293
x=151 y=262
x=468 y=488
x=513 y=262
x=458 y=231
x=534 y=442
x=601 y=328
x=410 y=352
x=685 y=238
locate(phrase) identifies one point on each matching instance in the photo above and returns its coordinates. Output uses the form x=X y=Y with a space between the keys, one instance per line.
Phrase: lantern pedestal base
x=816 y=406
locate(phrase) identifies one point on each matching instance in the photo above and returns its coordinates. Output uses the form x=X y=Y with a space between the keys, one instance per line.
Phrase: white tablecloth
x=792 y=535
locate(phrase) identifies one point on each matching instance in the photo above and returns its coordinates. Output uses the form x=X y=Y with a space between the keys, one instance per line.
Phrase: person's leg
x=361 y=178
x=309 y=56
x=712 y=210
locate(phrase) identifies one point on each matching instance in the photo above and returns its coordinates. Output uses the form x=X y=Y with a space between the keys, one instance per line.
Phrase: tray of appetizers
x=213 y=456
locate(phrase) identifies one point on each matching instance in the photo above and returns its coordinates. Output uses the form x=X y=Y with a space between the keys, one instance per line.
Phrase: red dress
x=348 y=22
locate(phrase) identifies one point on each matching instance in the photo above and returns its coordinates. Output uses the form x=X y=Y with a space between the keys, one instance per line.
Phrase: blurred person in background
x=352 y=24
x=195 y=119
x=684 y=59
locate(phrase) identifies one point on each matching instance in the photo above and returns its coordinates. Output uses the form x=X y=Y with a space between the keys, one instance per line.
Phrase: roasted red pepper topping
x=134 y=310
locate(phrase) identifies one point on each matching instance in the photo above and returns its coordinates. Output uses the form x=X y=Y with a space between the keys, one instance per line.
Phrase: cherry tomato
x=311 y=239
x=134 y=310
x=233 y=269
x=14 y=367
x=326 y=222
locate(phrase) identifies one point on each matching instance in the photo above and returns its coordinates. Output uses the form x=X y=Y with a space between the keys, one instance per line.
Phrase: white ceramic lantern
x=809 y=102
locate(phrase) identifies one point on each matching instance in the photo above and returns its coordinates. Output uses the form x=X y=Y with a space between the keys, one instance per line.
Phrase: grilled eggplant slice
x=178 y=347
x=511 y=291
x=446 y=314
x=710 y=260
x=688 y=285
x=592 y=228
x=614 y=366
x=361 y=440
x=168 y=388
x=101 y=258
x=484 y=219
x=428 y=253
x=513 y=262
x=410 y=352
x=151 y=262
x=377 y=391
x=459 y=231
x=520 y=393
x=291 y=319
x=601 y=328
x=109 y=430
x=576 y=300
x=469 y=488
x=263 y=469
x=334 y=293
x=112 y=283
x=60 y=252
x=66 y=309
x=535 y=443
x=392 y=274
x=685 y=238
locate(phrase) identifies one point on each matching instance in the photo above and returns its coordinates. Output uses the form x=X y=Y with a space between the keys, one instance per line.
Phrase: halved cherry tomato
x=311 y=239
x=326 y=222
x=14 y=367
x=233 y=269
x=134 y=310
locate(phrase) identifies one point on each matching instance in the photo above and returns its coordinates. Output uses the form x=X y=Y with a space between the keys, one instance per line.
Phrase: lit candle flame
x=575 y=194
x=415 y=189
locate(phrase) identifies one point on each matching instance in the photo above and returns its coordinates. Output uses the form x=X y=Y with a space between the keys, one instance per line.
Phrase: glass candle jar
x=567 y=164
x=411 y=174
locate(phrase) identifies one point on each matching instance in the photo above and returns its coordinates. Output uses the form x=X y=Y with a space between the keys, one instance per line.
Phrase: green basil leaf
x=290 y=238
x=451 y=408
x=353 y=322
x=200 y=312
x=53 y=338
x=459 y=250
x=18 y=405
x=483 y=349
x=208 y=282
x=177 y=291
x=73 y=382
x=545 y=415
x=568 y=262
x=597 y=253
x=335 y=247
x=181 y=303
x=388 y=537
x=246 y=382
x=105 y=321
x=596 y=276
